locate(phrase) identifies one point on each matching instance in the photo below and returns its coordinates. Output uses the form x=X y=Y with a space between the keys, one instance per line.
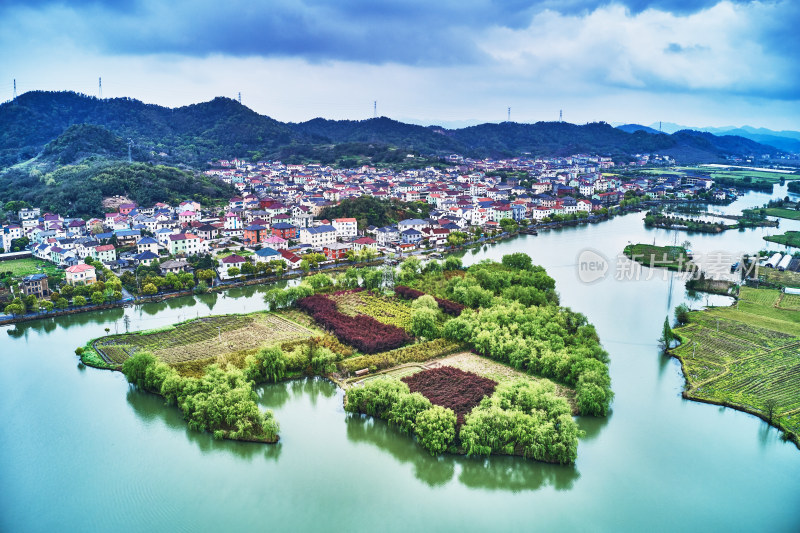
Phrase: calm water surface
x=84 y=452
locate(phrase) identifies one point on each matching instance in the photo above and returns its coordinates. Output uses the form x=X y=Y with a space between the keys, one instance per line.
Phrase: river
x=82 y=451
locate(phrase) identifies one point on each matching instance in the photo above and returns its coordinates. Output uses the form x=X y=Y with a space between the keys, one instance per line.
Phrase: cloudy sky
x=694 y=62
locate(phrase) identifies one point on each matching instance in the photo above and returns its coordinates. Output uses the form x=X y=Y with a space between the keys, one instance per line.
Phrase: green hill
x=223 y=128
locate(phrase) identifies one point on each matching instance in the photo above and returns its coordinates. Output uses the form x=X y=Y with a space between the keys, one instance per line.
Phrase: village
x=274 y=224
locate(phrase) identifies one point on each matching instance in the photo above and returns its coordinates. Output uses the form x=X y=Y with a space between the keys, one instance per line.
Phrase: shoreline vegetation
x=505 y=312
x=746 y=356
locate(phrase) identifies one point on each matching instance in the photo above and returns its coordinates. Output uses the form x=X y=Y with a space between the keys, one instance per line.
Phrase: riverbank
x=747 y=357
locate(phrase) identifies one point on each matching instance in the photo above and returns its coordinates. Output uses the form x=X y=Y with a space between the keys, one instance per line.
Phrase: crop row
x=382 y=309
x=447 y=306
x=205 y=338
x=413 y=353
x=361 y=331
x=790 y=302
x=750 y=334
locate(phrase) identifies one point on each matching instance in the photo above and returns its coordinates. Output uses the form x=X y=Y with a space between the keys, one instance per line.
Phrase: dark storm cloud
x=414 y=32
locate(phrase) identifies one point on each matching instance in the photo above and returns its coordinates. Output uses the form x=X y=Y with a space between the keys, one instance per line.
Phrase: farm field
x=784 y=279
x=746 y=356
x=390 y=311
x=27 y=266
x=792 y=214
x=206 y=339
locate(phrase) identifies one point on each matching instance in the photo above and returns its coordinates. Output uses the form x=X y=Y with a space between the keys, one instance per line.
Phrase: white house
x=346 y=228
x=318 y=236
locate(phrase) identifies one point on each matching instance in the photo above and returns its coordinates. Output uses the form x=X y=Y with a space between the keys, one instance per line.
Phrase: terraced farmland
x=746 y=356
x=205 y=338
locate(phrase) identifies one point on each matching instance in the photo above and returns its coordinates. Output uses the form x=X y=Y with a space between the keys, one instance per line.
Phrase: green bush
x=268 y=364
x=376 y=397
x=436 y=428
x=403 y=413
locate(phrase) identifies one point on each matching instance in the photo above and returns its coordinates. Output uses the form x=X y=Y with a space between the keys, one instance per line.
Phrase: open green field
x=27 y=266
x=746 y=356
x=669 y=257
x=792 y=214
x=209 y=339
x=790 y=238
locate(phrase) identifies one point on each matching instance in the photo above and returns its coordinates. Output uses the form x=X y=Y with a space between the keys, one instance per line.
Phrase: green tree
x=97 y=298
x=268 y=364
x=436 y=428
x=79 y=301
x=682 y=314
x=423 y=323
x=149 y=289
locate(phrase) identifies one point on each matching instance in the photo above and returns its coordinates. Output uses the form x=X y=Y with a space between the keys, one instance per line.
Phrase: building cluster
x=276 y=216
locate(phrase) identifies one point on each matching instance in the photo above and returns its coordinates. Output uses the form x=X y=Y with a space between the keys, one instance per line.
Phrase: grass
x=27 y=266
x=780 y=278
x=202 y=341
x=781 y=212
x=790 y=238
x=746 y=356
x=669 y=257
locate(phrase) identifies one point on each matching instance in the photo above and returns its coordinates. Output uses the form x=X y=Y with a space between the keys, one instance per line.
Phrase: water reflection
x=494 y=473
x=433 y=471
x=515 y=474
x=591 y=426
x=151 y=408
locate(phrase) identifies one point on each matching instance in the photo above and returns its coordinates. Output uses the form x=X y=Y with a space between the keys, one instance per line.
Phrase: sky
x=448 y=62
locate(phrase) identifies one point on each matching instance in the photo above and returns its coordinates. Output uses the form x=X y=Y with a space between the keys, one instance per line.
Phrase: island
x=480 y=360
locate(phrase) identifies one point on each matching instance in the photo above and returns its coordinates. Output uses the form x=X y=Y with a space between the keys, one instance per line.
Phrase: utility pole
x=100 y=87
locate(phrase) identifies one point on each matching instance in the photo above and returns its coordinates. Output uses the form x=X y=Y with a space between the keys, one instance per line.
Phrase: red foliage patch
x=452 y=388
x=448 y=306
x=361 y=331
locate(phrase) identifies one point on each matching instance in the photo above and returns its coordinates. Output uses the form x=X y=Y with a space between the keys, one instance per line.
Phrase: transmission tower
x=15 y=88
x=100 y=87
x=388 y=277
x=561 y=115
x=240 y=97
x=374 y=109
x=509 y=113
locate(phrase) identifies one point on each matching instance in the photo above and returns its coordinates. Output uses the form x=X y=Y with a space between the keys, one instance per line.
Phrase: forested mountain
x=189 y=135
x=223 y=128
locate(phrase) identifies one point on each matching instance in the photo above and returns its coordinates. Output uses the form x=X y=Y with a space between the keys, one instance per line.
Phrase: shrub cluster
x=523 y=418
x=391 y=400
x=448 y=306
x=222 y=401
x=362 y=332
x=545 y=341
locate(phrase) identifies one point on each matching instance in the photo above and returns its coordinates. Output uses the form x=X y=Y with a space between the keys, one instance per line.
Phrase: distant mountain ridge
x=784 y=140
x=223 y=128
